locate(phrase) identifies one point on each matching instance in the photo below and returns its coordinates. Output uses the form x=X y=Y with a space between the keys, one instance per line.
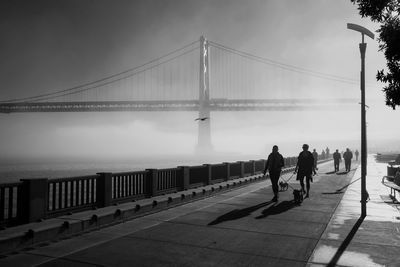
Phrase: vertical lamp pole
x=363 y=48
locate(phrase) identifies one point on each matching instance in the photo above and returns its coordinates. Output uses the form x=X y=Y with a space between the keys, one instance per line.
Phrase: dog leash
x=291 y=176
x=286 y=181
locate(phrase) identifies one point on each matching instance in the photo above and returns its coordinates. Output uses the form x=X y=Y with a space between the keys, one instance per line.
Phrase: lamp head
x=360 y=29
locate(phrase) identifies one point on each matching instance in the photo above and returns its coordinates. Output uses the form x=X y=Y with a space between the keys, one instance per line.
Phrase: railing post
x=228 y=171
x=104 y=189
x=34 y=200
x=264 y=162
x=207 y=179
x=253 y=167
x=185 y=178
x=257 y=166
x=152 y=175
x=241 y=164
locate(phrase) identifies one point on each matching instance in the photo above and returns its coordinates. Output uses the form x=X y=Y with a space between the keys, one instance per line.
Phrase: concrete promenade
x=243 y=228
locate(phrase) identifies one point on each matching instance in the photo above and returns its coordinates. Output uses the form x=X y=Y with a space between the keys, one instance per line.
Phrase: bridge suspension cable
x=284 y=65
x=234 y=74
x=173 y=55
x=112 y=81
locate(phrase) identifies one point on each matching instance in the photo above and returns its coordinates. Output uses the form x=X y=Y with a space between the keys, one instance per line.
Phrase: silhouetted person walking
x=315 y=155
x=323 y=155
x=274 y=165
x=336 y=160
x=327 y=152
x=356 y=153
x=305 y=168
x=347 y=156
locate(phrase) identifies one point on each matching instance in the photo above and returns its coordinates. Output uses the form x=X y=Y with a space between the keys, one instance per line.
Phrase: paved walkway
x=243 y=228
x=375 y=241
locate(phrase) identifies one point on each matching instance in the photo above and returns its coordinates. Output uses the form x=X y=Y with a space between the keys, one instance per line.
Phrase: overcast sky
x=51 y=45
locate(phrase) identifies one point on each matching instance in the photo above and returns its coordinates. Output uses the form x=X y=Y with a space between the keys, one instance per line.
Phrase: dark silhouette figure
x=347 y=156
x=336 y=160
x=278 y=208
x=315 y=155
x=356 y=153
x=305 y=168
x=274 y=165
x=327 y=153
x=238 y=213
x=323 y=155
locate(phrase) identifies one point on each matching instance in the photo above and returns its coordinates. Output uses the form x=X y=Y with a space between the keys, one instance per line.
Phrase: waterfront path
x=243 y=228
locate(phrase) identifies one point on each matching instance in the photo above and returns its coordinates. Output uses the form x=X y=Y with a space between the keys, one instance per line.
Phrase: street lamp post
x=363 y=48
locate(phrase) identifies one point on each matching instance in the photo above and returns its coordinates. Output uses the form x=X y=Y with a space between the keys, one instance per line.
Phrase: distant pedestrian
x=327 y=153
x=315 y=155
x=336 y=159
x=347 y=156
x=274 y=165
x=356 y=153
x=305 y=168
x=323 y=155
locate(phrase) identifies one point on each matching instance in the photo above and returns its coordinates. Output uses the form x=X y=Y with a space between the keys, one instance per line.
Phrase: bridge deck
x=242 y=228
x=181 y=105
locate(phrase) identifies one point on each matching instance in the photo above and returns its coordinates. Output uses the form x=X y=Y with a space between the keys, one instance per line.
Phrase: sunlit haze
x=48 y=46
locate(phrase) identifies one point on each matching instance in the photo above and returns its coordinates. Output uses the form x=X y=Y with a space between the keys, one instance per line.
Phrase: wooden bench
x=388 y=181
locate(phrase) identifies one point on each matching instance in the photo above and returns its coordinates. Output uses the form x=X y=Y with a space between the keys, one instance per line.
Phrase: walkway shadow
x=340 y=190
x=332 y=172
x=342 y=173
x=337 y=192
x=238 y=213
x=277 y=209
x=345 y=243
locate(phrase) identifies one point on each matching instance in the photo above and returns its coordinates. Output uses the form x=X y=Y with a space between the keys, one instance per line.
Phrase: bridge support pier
x=204 y=145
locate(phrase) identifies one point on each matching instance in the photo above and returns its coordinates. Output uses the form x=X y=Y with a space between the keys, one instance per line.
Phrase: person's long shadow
x=238 y=213
x=339 y=191
x=345 y=243
x=277 y=209
x=332 y=172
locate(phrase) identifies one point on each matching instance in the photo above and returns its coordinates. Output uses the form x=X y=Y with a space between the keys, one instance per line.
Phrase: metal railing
x=128 y=185
x=34 y=199
x=9 y=194
x=71 y=194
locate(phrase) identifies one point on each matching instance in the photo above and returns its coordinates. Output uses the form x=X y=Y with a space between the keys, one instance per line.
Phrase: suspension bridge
x=202 y=76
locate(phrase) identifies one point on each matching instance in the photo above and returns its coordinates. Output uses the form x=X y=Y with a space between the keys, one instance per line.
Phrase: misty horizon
x=263 y=50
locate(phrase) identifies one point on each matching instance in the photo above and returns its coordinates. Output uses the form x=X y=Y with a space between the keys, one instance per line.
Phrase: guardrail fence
x=34 y=199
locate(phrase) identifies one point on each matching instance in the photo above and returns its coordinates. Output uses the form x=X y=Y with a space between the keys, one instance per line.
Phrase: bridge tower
x=204 y=130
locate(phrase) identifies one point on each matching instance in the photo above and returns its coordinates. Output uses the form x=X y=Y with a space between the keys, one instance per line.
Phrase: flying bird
x=201 y=119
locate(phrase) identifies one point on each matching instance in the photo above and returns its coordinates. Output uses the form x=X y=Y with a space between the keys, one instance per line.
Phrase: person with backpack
x=274 y=165
x=336 y=160
x=305 y=168
x=347 y=156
